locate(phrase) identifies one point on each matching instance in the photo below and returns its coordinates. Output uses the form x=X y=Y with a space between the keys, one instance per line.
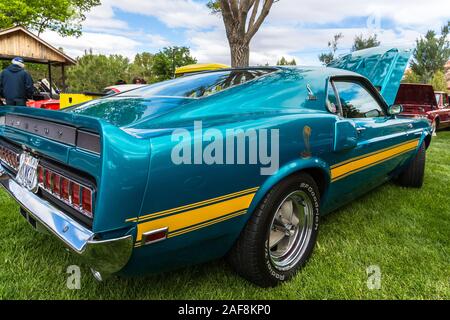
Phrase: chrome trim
x=106 y=256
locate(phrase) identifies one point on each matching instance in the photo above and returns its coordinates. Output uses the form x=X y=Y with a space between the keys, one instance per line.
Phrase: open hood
x=383 y=66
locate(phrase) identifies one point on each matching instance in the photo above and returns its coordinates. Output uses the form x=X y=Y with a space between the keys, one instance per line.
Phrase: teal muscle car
x=155 y=179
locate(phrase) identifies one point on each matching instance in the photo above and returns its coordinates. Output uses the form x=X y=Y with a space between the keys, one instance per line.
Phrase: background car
x=420 y=100
x=196 y=68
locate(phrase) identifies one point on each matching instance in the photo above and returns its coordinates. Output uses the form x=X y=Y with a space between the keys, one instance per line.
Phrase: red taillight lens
x=65 y=189
x=75 y=187
x=40 y=175
x=72 y=193
x=56 y=184
x=87 y=201
x=48 y=179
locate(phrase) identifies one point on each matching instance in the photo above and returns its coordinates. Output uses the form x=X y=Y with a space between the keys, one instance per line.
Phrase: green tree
x=142 y=67
x=326 y=58
x=62 y=16
x=168 y=59
x=411 y=77
x=95 y=72
x=361 y=43
x=284 y=62
x=242 y=19
x=431 y=54
x=439 y=82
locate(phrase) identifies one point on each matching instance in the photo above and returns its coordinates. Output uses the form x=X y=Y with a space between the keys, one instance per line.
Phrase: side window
x=357 y=102
x=332 y=101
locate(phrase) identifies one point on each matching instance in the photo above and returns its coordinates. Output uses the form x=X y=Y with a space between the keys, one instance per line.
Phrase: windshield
x=198 y=86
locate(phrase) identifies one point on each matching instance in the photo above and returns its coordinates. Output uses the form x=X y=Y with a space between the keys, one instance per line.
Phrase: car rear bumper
x=105 y=256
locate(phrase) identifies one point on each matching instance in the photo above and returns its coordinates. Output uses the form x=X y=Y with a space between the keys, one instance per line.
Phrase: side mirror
x=395 y=109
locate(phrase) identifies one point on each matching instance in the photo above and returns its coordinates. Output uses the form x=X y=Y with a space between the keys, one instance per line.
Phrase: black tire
x=413 y=175
x=251 y=256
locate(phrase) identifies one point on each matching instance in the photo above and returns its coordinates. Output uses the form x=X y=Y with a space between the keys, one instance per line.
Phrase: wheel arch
x=316 y=168
x=438 y=121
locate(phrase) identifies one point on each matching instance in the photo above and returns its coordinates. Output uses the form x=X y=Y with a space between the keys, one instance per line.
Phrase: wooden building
x=19 y=42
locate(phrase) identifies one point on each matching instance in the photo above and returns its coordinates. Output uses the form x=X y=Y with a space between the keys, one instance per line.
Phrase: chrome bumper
x=106 y=257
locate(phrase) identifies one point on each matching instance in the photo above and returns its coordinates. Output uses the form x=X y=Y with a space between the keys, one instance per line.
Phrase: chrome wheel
x=290 y=230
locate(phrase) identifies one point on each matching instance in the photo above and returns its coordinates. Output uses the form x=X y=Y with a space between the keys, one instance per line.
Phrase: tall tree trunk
x=241 y=24
x=240 y=54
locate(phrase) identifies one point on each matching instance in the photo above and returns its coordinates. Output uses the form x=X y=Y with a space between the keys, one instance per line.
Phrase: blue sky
x=297 y=29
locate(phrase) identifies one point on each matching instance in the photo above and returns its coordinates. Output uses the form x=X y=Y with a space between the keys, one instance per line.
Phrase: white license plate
x=27 y=174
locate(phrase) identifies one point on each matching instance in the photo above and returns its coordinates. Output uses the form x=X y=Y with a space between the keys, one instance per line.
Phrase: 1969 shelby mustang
x=100 y=177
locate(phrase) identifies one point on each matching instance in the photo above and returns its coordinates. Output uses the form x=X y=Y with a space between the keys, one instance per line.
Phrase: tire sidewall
x=303 y=183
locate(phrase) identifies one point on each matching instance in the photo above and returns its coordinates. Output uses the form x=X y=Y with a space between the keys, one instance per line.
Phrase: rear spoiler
x=70 y=129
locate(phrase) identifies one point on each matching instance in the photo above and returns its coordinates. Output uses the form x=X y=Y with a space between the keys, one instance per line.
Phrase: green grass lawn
x=406 y=232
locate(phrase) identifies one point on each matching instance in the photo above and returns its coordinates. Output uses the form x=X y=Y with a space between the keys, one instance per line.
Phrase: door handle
x=410 y=126
x=360 y=129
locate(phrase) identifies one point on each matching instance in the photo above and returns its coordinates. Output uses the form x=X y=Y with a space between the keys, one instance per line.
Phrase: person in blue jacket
x=16 y=84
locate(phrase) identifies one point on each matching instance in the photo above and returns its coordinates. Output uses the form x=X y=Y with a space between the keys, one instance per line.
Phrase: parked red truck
x=420 y=100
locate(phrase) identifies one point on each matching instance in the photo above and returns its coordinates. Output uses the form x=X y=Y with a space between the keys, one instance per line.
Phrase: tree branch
x=254 y=13
x=255 y=27
x=235 y=8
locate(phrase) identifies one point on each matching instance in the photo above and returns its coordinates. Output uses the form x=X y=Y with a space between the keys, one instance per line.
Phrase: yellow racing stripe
x=196 y=216
x=207 y=224
x=191 y=206
x=358 y=164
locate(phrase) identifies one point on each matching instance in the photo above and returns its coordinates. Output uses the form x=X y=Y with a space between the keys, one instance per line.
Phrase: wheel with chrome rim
x=281 y=234
x=290 y=230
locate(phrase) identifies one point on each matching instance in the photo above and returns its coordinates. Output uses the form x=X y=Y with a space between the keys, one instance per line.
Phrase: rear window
x=200 y=85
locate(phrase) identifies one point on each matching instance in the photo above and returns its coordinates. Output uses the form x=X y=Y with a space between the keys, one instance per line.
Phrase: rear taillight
x=75 y=192
x=9 y=157
x=65 y=189
x=72 y=193
x=86 y=203
x=40 y=175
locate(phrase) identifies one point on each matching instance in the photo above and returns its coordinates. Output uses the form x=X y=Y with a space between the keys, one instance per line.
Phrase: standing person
x=16 y=84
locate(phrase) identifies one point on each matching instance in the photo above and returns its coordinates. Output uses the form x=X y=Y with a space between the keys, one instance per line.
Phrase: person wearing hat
x=16 y=84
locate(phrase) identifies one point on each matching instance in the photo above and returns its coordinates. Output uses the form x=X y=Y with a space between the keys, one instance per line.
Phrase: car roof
x=325 y=71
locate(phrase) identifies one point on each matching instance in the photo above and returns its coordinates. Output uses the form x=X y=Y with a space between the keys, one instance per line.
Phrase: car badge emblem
x=27 y=173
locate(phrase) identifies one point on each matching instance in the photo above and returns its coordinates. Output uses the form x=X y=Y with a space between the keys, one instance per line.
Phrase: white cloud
x=273 y=42
x=102 y=18
x=294 y=29
x=414 y=13
x=174 y=13
x=100 y=43
x=156 y=41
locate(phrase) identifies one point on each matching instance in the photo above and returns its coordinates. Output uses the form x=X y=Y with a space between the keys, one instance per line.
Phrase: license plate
x=27 y=174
